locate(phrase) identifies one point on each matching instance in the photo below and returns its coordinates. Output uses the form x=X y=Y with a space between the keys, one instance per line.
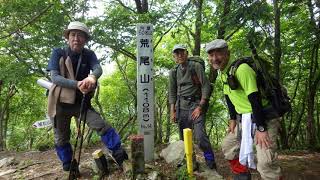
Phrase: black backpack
x=269 y=87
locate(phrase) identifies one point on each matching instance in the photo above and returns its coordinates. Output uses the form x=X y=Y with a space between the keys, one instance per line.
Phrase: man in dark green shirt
x=188 y=93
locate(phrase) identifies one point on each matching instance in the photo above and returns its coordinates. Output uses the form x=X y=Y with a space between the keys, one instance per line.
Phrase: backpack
x=268 y=86
x=197 y=59
x=194 y=76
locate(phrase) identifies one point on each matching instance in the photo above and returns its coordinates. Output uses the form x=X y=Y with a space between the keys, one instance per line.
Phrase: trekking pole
x=85 y=109
x=74 y=170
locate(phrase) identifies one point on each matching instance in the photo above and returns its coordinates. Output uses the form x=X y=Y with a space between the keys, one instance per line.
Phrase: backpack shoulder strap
x=175 y=69
x=194 y=76
x=231 y=71
x=234 y=66
x=175 y=72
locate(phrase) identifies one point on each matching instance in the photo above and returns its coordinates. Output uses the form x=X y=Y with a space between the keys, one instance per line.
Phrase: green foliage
x=182 y=174
x=30 y=29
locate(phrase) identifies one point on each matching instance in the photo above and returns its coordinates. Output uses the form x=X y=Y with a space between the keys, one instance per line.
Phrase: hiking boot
x=242 y=176
x=120 y=155
x=211 y=164
x=66 y=166
x=196 y=166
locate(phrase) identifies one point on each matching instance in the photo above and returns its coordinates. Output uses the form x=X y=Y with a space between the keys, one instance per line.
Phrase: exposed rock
x=174 y=153
x=149 y=166
x=2 y=173
x=154 y=175
x=6 y=161
x=210 y=174
x=89 y=164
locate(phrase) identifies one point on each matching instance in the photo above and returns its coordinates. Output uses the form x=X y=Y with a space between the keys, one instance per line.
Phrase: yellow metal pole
x=187 y=135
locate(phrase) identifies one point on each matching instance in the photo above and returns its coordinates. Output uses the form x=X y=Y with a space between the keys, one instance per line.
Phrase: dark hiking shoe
x=120 y=155
x=196 y=166
x=211 y=164
x=242 y=176
x=66 y=166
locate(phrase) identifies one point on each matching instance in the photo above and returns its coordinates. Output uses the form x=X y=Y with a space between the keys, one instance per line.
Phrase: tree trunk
x=168 y=124
x=142 y=6
x=283 y=135
x=96 y=99
x=160 y=124
x=318 y=119
x=1 y=82
x=3 y=122
x=312 y=91
x=5 y=125
x=314 y=80
x=276 y=63
x=138 y=6
x=132 y=118
x=1 y=130
x=292 y=135
x=197 y=34
x=295 y=93
x=311 y=137
x=4 y=114
x=31 y=143
x=223 y=17
x=156 y=122
x=145 y=6
x=162 y=99
x=277 y=43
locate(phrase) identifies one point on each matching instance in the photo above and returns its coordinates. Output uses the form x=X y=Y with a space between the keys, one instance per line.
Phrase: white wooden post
x=145 y=88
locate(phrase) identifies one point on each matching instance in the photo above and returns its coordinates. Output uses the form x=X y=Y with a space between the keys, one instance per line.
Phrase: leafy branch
x=28 y=23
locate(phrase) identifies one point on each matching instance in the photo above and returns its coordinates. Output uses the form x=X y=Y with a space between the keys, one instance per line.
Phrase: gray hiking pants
x=61 y=122
x=267 y=165
x=198 y=126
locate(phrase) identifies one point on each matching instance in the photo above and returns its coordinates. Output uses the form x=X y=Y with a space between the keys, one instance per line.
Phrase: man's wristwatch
x=261 y=129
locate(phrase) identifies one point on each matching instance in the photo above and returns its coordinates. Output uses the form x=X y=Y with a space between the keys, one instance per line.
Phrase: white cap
x=179 y=46
x=76 y=25
x=216 y=44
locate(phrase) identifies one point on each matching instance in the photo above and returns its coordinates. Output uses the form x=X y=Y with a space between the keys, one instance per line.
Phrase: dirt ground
x=300 y=165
